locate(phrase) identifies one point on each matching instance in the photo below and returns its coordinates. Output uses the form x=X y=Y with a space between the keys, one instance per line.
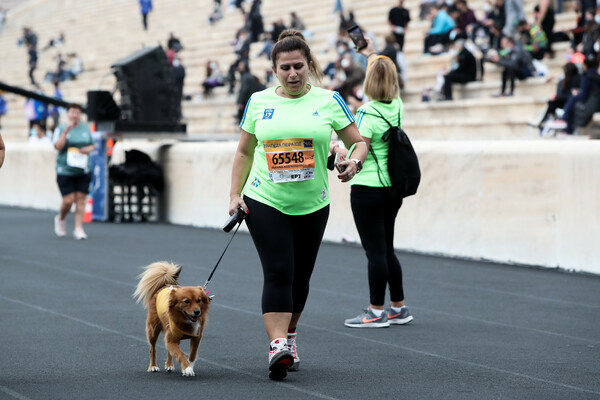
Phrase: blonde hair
x=381 y=80
x=292 y=40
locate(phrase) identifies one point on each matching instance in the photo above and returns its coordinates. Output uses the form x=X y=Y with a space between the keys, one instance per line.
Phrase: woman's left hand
x=350 y=169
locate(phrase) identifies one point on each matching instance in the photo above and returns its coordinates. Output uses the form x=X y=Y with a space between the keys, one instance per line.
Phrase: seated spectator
x=496 y=15
x=271 y=36
x=217 y=13
x=425 y=7
x=173 y=43
x=533 y=39
x=580 y=108
x=214 y=78
x=60 y=40
x=39 y=135
x=568 y=86
x=75 y=66
x=298 y=24
x=464 y=70
x=516 y=63
x=439 y=34
x=466 y=20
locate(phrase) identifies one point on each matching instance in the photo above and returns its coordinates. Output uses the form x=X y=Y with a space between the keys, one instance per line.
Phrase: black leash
x=220 y=258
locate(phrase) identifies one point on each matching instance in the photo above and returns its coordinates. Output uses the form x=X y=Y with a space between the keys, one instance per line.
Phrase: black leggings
x=375 y=212
x=287 y=246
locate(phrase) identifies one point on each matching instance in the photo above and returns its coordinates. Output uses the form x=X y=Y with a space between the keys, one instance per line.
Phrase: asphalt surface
x=69 y=328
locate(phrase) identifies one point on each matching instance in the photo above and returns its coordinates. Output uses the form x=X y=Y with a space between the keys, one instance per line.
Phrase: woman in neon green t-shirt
x=373 y=206
x=279 y=179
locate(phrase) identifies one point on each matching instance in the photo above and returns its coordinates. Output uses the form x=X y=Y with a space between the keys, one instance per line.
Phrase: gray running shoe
x=368 y=320
x=401 y=318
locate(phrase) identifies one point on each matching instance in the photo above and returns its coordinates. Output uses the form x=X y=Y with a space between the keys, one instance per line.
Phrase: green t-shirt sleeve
x=341 y=116
x=364 y=123
x=248 y=123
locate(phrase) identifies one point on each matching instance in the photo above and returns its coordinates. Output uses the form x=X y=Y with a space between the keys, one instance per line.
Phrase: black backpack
x=403 y=163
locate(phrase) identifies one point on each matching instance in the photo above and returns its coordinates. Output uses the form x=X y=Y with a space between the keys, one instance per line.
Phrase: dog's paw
x=169 y=368
x=153 y=369
x=189 y=371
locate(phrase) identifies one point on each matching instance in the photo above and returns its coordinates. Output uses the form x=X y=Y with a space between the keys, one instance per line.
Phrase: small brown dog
x=180 y=311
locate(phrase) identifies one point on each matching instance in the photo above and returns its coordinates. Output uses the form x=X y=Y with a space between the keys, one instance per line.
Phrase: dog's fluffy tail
x=155 y=276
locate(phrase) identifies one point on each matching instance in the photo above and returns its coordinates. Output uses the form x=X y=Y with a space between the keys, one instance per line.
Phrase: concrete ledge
x=523 y=202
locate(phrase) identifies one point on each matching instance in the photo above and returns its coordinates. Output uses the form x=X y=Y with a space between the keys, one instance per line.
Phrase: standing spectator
x=2 y=150
x=398 y=19
x=279 y=178
x=374 y=208
x=145 y=8
x=544 y=18
x=32 y=62
x=465 y=71
x=249 y=85
x=242 y=50
x=178 y=71
x=439 y=34
x=74 y=143
x=2 y=18
x=255 y=20
x=513 y=10
x=173 y=43
x=54 y=111
x=3 y=107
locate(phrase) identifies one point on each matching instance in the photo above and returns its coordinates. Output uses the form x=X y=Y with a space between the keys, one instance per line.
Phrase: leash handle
x=222 y=254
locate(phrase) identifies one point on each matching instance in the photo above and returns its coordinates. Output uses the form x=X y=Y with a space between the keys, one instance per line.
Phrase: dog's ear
x=172 y=297
x=205 y=296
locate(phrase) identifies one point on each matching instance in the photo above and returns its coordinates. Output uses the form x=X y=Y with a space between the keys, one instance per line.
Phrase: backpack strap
x=385 y=139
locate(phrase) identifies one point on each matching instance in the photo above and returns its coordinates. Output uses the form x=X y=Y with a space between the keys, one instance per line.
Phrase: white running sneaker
x=60 y=227
x=79 y=234
x=291 y=342
x=280 y=359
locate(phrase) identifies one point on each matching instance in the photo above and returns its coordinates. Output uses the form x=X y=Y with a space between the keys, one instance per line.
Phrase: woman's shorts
x=76 y=183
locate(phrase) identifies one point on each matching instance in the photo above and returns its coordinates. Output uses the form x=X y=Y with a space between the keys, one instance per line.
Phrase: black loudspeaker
x=147 y=87
x=101 y=106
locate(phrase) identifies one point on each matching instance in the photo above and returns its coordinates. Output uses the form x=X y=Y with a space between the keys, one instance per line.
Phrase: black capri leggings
x=375 y=212
x=287 y=246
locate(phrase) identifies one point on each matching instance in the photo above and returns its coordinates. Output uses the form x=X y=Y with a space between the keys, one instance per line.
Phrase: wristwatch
x=358 y=164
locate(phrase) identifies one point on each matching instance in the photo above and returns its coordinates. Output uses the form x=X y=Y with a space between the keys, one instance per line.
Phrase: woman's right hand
x=368 y=49
x=235 y=202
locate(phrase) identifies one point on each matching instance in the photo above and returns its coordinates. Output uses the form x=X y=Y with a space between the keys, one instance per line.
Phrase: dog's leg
x=169 y=364
x=175 y=351
x=152 y=333
x=194 y=344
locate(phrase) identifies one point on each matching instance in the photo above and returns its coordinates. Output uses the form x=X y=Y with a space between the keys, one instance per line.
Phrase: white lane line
x=13 y=394
x=143 y=340
x=324 y=291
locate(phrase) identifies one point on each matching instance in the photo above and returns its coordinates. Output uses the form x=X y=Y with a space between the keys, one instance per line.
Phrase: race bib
x=290 y=160
x=76 y=159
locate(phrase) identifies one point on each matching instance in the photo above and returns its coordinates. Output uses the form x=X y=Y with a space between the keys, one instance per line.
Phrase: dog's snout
x=196 y=312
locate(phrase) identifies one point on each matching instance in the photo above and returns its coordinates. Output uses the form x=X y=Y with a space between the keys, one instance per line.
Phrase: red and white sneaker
x=291 y=342
x=280 y=359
